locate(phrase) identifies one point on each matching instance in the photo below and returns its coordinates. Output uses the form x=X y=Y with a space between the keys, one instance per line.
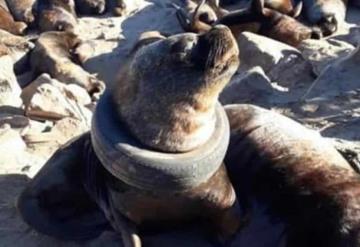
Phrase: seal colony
x=51 y=15
x=323 y=18
x=257 y=18
x=129 y=175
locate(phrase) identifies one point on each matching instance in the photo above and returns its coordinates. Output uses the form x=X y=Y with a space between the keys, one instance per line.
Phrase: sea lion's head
x=196 y=18
x=167 y=92
x=328 y=24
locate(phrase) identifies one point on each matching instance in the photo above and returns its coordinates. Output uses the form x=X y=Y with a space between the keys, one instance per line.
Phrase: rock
x=282 y=63
x=341 y=77
x=68 y=128
x=346 y=130
x=48 y=103
x=48 y=99
x=71 y=91
x=9 y=88
x=252 y=86
x=352 y=36
x=77 y=93
x=321 y=53
x=11 y=142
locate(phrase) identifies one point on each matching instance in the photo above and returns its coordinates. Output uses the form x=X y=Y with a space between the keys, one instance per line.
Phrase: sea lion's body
x=90 y=7
x=327 y=14
x=7 y=21
x=303 y=181
x=23 y=10
x=57 y=15
x=52 y=55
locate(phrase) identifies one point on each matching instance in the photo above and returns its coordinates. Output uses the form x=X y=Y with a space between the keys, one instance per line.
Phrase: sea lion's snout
x=216 y=50
x=328 y=25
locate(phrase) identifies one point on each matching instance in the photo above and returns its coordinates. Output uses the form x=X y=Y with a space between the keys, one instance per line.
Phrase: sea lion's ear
x=145 y=39
x=257 y=6
x=297 y=10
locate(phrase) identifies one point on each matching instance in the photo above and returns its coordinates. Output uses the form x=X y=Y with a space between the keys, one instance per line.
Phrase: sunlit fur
x=167 y=91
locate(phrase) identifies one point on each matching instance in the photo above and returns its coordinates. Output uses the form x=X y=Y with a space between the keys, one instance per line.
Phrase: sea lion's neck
x=170 y=123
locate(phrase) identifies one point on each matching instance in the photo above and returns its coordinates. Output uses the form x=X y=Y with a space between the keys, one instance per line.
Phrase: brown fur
x=8 y=23
x=22 y=10
x=257 y=18
x=89 y=7
x=197 y=17
x=57 y=15
x=165 y=100
x=52 y=55
x=302 y=179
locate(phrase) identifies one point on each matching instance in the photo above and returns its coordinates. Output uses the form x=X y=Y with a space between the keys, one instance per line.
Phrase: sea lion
x=90 y=7
x=53 y=55
x=8 y=23
x=204 y=64
x=300 y=177
x=195 y=17
x=259 y=19
x=327 y=14
x=57 y=15
x=23 y=10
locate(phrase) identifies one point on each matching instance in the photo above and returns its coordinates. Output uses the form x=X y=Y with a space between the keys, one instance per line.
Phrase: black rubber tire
x=130 y=161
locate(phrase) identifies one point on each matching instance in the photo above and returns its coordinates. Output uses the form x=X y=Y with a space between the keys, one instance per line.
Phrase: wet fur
x=304 y=181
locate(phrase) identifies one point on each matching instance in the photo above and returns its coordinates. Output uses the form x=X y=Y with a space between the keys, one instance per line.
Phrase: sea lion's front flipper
x=55 y=202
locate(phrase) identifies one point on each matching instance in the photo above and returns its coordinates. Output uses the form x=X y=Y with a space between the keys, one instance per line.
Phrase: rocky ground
x=317 y=84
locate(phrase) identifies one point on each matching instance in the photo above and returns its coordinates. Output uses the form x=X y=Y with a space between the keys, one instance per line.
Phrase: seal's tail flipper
x=55 y=202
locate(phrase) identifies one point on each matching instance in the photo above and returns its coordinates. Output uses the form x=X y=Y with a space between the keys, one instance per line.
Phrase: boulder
x=251 y=86
x=48 y=99
x=340 y=77
x=9 y=87
x=321 y=53
x=282 y=63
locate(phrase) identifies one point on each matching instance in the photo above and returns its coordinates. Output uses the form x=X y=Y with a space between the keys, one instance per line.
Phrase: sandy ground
x=112 y=37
